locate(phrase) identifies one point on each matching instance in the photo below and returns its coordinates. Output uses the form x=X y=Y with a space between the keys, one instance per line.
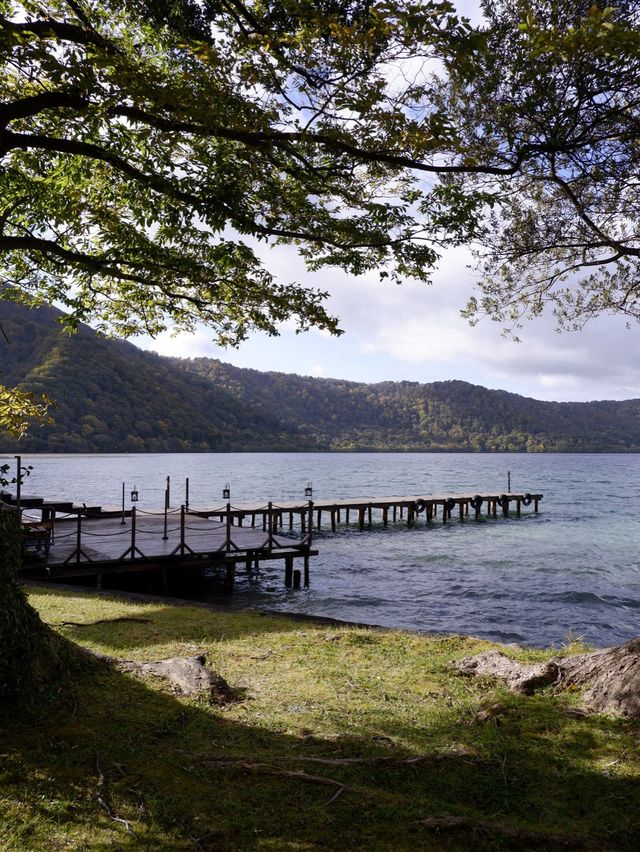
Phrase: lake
x=573 y=570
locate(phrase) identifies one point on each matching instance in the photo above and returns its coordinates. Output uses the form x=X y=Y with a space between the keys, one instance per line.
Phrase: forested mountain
x=112 y=397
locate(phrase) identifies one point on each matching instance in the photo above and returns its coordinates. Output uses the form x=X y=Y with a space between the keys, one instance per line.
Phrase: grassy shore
x=340 y=738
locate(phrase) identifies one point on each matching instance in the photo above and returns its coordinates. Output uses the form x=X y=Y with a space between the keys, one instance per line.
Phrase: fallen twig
x=411 y=760
x=104 y=798
x=105 y=621
x=298 y=774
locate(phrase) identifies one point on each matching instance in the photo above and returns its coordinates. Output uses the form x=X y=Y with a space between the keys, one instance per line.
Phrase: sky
x=415 y=332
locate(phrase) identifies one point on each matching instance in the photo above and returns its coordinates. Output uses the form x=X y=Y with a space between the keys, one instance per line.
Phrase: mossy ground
x=127 y=764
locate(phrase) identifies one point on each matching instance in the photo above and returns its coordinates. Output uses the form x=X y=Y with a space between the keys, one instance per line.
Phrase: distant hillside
x=113 y=397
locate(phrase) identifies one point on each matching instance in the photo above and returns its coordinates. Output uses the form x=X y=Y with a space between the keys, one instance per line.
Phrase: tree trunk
x=31 y=655
x=611 y=677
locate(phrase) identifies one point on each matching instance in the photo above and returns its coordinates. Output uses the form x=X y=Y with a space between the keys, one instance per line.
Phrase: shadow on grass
x=129 y=766
x=158 y=623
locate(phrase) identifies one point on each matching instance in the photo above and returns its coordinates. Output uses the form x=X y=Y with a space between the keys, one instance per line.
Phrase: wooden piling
x=229 y=577
x=288 y=571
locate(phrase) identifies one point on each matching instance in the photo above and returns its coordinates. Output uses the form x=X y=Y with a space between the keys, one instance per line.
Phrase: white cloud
x=415 y=332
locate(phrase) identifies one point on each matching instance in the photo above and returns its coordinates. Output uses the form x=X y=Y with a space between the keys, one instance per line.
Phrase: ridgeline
x=113 y=397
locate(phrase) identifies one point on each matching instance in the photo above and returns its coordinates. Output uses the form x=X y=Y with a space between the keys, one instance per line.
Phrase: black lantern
x=134 y=495
x=308 y=491
x=226 y=492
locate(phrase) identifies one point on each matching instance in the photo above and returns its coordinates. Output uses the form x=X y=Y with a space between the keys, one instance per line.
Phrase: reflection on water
x=572 y=569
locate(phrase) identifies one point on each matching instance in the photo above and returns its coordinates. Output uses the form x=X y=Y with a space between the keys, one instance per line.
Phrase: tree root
x=273 y=771
x=384 y=760
x=188 y=675
x=524 y=835
x=611 y=676
x=121 y=618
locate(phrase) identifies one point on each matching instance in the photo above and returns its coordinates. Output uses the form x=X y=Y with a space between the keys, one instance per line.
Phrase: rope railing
x=217 y=537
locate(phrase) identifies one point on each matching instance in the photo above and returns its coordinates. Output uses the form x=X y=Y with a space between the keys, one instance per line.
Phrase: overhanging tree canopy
x=142 y=164
x=148 y=147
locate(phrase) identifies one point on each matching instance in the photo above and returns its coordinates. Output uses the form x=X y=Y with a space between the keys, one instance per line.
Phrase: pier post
x=229 y=578
x=361 y=518
x=461 y=510
x=270 y=525
x=445 y=512
x=79 y=536
x=410 y=514
x=288 y=571
x=369 y=514
x=505 y=506
x=535 y=505
x=165 y=535
x=333 y=520
x=290 y=520
x=518 y=506
x=395 y=513
x=296 y=579
x=319 y=517
x=495 y=508
x=347 y=517
x=429 y=512
x=227 y=545
x=186 y=492
x=385 y=516
x=306 y=570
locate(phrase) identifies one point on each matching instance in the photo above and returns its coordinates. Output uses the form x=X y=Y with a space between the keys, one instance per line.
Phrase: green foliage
x=553 y=104
x=147 y=146
x=19 y=410
x=116 y=398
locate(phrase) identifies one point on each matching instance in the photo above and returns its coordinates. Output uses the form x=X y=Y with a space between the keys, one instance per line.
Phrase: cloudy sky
x=415 y=332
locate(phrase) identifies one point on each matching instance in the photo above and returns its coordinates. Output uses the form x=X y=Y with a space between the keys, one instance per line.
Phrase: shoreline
x=321 y=620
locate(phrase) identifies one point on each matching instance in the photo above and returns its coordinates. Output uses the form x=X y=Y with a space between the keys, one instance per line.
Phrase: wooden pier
x=82 y=544
x=363 y=511
x=74 y=541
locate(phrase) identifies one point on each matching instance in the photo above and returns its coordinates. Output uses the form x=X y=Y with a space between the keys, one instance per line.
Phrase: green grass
x=185 y=775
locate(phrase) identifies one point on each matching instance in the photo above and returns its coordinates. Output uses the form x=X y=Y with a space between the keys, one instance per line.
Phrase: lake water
x=571 y=570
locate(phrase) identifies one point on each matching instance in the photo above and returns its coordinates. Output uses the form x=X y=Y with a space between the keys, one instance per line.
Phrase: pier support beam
x=288 y=571
x=229 y=577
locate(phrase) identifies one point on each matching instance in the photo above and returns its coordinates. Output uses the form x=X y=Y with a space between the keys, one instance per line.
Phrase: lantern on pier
x=308 y=491
x=134 y=495
x=226 y=492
